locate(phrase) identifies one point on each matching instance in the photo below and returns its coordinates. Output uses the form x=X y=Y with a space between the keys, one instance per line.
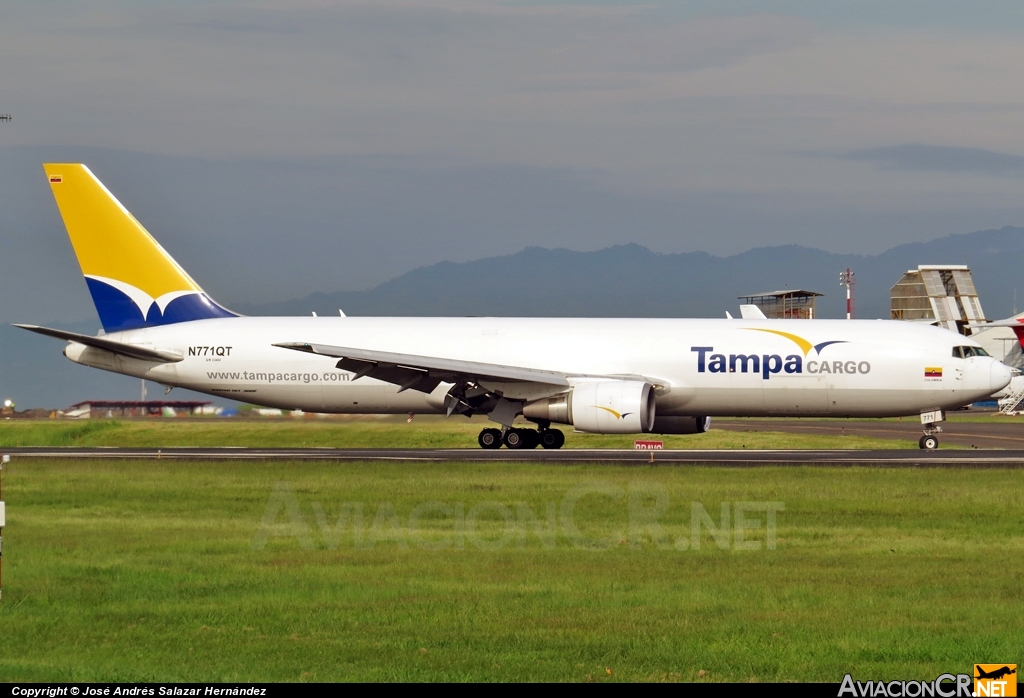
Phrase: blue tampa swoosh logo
x=122 y=307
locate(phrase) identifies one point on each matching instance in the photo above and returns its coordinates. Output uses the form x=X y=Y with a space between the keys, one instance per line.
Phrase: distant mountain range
x=632 y=281
x=624 y=281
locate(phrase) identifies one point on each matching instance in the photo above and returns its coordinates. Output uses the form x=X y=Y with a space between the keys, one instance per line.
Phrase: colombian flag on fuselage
x=134 y=283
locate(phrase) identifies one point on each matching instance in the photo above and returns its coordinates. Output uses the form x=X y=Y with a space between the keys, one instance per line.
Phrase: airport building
x=791 y=304
x=945 y=295
x=1001 y=343
x=137 y=408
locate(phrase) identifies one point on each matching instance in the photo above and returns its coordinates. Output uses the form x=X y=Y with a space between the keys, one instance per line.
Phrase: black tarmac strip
x=957 y=433
x=730 y=458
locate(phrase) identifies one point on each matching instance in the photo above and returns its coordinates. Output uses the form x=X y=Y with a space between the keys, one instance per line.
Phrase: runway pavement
x=957 y=432
x=978 y=444
x=733 y=457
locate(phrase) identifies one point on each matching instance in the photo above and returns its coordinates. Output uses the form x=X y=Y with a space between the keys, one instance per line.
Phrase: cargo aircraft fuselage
x=623 y=375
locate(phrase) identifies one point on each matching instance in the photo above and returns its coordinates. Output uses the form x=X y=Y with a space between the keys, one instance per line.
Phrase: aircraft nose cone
x=1000 y=376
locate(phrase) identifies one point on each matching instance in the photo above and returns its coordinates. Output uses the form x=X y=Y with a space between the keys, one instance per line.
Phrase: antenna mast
x=846 y=279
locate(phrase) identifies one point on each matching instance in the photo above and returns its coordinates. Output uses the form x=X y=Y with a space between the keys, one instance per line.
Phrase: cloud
x=917 y=157
x=238 y=79
x=318 y=145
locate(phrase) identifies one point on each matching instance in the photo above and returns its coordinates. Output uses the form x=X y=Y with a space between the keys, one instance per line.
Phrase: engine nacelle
x=600 y=407
x=681 y=425
x=613 y=407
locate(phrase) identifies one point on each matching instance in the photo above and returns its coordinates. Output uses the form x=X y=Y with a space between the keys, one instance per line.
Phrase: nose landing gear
x=930 y=423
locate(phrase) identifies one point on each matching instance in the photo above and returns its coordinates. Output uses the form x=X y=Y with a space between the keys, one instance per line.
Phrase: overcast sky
x=279 y=148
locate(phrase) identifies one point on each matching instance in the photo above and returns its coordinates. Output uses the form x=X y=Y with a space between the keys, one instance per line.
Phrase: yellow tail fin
x=133 y=281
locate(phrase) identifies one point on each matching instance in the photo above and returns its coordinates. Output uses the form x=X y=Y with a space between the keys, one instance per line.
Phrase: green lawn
x=370 y=432
x=146 y=570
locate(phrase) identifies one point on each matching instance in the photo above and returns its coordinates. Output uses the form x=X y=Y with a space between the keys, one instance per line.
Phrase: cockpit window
x=968 y=352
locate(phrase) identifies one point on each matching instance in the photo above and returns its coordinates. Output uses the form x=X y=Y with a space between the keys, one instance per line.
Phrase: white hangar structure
x=945 y=295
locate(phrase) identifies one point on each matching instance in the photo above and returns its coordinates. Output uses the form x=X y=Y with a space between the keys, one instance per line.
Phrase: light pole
x=3 y=516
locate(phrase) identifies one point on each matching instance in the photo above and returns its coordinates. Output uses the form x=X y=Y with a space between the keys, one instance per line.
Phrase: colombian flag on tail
x=133 y=281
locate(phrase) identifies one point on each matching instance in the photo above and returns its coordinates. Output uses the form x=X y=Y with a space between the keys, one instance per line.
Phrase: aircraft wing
x=424 y=373
x=129 y=350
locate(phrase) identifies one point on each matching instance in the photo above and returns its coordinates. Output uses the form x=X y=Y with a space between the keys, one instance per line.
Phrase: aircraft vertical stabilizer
x=133 y=281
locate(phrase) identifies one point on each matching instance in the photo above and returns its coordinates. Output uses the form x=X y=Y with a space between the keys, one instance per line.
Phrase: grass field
x=370 y=432
x=156 y=570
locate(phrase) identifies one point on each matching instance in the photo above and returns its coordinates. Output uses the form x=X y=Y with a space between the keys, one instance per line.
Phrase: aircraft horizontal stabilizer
x=423 y=372
x=1015 y=323
x=110 y=345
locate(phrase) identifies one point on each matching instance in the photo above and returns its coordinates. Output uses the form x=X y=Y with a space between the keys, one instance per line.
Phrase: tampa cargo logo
x=769 y=364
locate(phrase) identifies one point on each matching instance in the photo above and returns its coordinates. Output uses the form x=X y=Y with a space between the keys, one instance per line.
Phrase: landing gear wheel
x=928 y=442
x=552 y=438
x=515 y=439
x=531 y=438
x=489 y=438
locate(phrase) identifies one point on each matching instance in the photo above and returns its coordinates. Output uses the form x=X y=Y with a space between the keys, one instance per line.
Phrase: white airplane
x=611 y=376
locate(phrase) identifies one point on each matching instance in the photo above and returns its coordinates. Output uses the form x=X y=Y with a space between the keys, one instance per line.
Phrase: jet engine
x=600 y=407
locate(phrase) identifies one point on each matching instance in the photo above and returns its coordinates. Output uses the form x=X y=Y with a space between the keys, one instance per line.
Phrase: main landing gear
x=489 y=438
x=521 y=438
